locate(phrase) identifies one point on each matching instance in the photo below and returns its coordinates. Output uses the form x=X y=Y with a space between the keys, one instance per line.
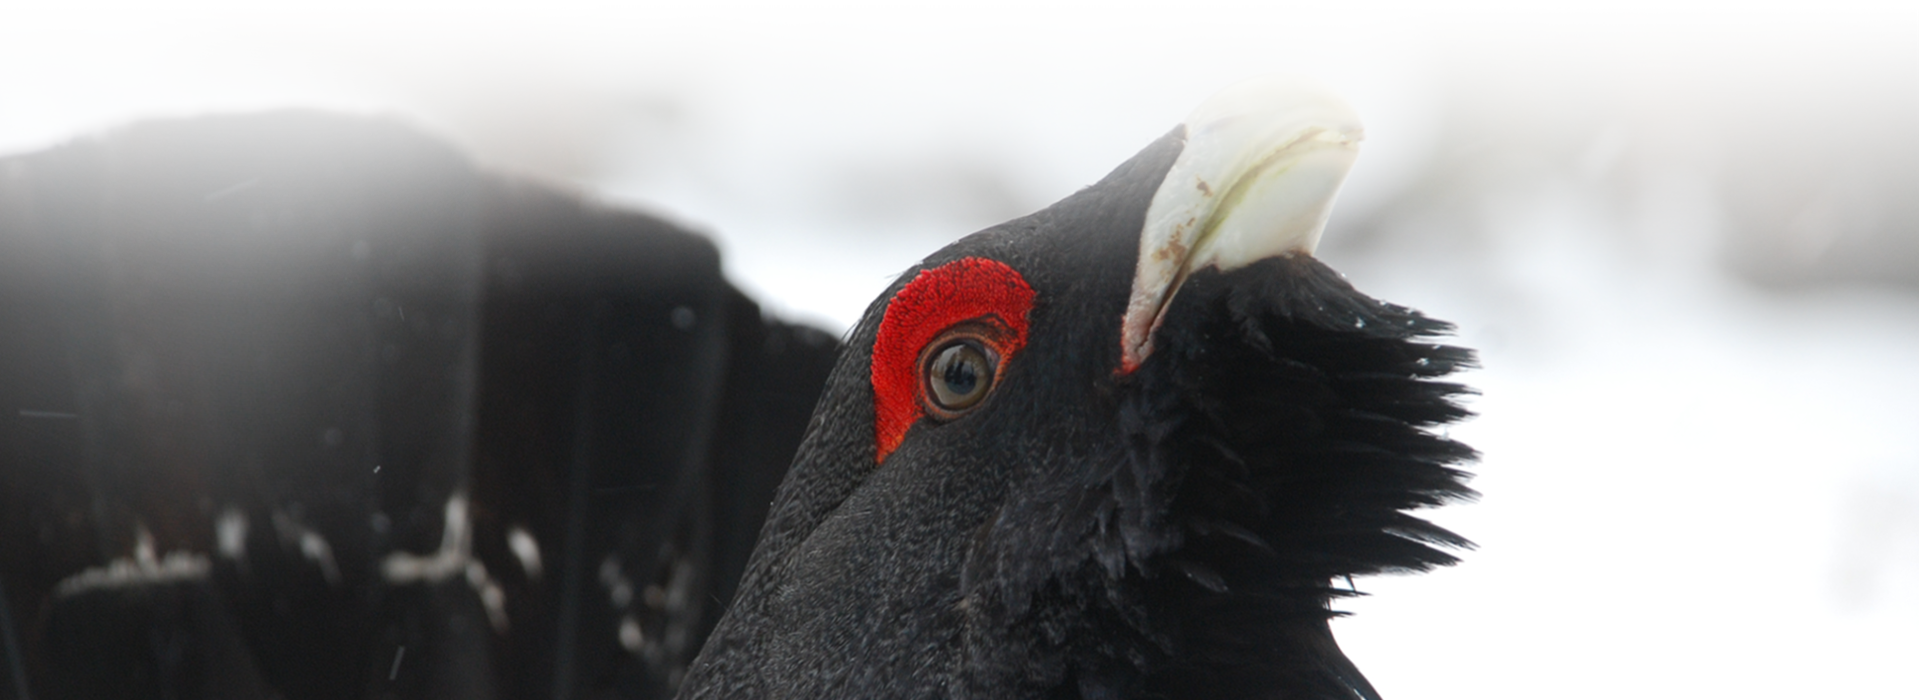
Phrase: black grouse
x=1120 y=448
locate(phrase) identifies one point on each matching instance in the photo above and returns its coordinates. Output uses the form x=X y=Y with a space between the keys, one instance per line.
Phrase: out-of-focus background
x=1685 y=237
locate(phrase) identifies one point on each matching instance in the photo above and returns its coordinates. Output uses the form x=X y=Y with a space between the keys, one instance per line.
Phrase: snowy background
x=1685 y=237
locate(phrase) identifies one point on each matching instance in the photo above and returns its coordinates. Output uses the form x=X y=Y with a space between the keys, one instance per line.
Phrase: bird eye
x=983 y=302
x=957 y=376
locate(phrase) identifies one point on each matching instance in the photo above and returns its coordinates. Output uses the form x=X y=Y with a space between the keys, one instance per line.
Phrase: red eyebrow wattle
x=936 y=299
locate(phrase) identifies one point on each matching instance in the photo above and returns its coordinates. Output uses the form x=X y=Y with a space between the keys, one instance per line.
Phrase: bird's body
x=1109 y=450
x=305 y=406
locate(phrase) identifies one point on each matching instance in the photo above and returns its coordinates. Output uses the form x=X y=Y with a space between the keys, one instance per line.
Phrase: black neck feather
x=1275 y=442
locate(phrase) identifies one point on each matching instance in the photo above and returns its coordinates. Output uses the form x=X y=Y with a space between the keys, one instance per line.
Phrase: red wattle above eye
x=963 y=290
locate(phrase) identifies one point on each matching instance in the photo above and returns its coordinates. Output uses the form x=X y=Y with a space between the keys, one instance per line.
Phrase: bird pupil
x=961 y=377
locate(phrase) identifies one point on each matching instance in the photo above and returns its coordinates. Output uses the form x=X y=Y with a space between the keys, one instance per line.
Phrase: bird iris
x=957 y=376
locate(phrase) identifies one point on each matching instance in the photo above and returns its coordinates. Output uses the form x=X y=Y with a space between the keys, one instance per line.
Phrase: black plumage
x=295 y=405
x=1173 y=531
x=333 y=328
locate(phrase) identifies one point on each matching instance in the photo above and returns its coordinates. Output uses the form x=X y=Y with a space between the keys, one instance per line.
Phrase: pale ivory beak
x=1262 y=163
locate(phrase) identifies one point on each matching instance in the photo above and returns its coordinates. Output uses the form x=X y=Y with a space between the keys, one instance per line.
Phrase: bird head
x=1121 y=447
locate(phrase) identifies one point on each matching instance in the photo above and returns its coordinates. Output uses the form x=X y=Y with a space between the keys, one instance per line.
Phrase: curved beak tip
x=1263 y=162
